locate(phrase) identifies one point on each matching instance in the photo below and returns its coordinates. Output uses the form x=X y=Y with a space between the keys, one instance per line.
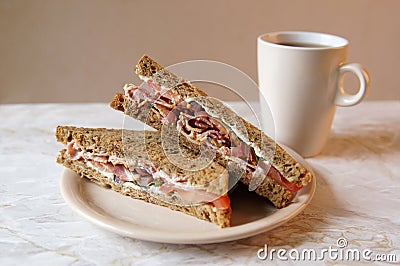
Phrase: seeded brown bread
x=205 y=212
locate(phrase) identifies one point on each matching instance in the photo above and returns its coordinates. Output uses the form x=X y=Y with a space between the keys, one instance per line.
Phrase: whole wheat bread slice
x=143 y=146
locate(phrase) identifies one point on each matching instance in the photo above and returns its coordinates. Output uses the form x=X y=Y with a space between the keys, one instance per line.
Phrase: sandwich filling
x=146 y=177
x=193 y=121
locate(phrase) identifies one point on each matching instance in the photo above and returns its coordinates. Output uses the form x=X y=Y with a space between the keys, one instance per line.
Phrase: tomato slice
x=222 y=202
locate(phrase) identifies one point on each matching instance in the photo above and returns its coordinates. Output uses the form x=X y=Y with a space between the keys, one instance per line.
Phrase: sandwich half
x=135 y=164
x=165 y=100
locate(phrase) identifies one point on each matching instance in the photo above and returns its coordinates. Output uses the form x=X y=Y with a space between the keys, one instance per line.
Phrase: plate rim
x=77 y=204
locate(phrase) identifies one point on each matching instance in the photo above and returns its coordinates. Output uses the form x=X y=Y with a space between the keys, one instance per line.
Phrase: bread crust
x=147 y=67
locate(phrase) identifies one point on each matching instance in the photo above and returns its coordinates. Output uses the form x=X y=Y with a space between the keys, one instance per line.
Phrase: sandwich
x=135 y=164
x=165 y=100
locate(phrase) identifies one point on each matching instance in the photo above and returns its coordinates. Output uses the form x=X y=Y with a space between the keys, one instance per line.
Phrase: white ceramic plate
x=251 y=214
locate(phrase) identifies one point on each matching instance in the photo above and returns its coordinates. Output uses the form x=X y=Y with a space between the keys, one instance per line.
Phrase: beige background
x=70 y=51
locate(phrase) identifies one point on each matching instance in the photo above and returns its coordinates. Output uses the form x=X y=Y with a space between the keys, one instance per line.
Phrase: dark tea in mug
x=302 y=44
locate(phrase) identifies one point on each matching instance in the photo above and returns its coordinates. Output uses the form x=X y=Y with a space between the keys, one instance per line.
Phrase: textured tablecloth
x=357 y=198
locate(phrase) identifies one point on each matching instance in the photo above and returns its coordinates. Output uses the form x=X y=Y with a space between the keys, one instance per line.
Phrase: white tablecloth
x=357 y=196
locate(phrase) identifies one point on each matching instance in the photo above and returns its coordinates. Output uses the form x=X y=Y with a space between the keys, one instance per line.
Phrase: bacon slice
x=73 y=151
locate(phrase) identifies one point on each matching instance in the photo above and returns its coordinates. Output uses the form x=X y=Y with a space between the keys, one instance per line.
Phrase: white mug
x=301 y=79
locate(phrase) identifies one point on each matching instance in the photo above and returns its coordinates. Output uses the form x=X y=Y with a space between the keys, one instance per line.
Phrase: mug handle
x=342 y=98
